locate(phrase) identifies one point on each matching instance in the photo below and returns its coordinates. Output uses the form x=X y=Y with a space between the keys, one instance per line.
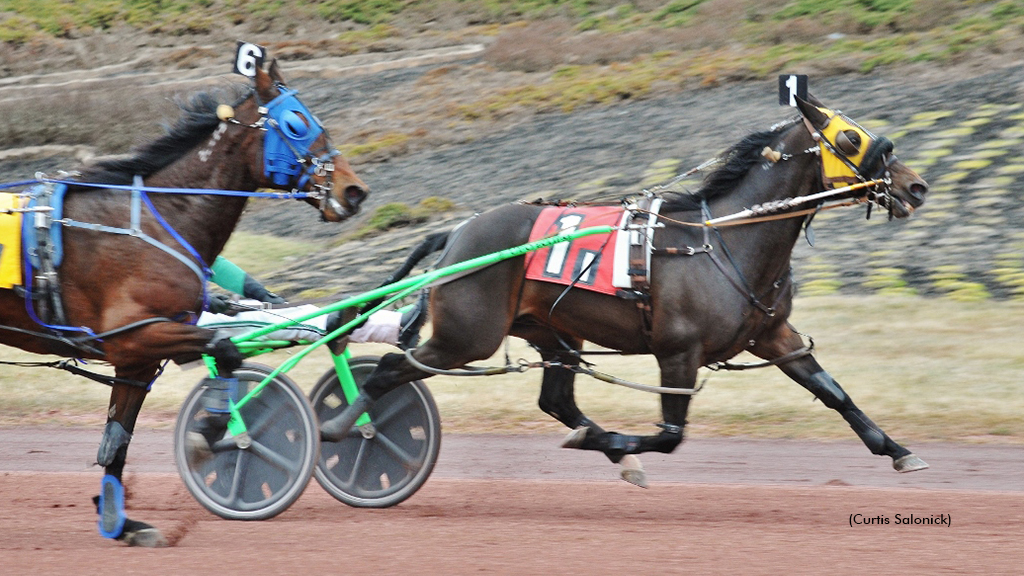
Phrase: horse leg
x=135 y=365
x=558 y=400
x=125 y=402
x=808 y=373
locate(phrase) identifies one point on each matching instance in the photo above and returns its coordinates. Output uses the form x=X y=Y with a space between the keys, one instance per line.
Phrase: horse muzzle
x=908 y=198
x=337 y=208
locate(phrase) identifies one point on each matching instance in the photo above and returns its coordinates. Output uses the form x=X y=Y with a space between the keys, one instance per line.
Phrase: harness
x=288 y=161
x=860 y=162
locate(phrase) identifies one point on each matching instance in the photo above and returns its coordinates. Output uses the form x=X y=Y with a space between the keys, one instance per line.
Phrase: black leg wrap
x=868 y=431
x=226 y=354
x=613 y=444
x=826 y=389
x=114 y=438
x=665 y=442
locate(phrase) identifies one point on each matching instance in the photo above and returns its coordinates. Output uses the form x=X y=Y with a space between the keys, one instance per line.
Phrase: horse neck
x=762 y=250
x=206 y=220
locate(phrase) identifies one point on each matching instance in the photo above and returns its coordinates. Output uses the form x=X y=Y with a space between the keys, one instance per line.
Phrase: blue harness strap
x=138 y=197
x=50 y=224
x=41 y=195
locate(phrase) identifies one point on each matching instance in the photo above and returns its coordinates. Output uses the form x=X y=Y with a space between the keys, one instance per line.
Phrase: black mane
x=196 y=123
x=739 y=159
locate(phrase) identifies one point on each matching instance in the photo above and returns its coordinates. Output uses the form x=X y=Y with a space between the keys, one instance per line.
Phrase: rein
x=523 y=365
x=156 y=189
x=767 y=211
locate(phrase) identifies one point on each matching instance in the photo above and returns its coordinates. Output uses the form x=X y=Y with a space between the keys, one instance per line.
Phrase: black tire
x=265 y=479
x=396 y=460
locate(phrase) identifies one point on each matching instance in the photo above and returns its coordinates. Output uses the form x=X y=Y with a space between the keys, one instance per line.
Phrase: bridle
x=290 y=130
x=851 y=154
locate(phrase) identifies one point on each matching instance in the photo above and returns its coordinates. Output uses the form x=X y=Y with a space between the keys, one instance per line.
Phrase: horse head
x=851 y=154
x=298 y=153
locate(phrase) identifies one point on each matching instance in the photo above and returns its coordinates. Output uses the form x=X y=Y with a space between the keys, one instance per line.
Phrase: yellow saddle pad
x=10 y=242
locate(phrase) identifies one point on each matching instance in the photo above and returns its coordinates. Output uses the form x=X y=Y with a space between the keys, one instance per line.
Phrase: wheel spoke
x=393 y=409
x=236 y=480
x=350 y=482
x=407 y=460
x=226 y=444
x=273 y=458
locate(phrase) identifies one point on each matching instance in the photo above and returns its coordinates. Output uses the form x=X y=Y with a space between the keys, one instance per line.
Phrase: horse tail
x=432 y=243
x=413 y=318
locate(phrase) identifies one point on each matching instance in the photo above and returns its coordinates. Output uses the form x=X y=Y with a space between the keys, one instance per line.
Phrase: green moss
x=398 y=214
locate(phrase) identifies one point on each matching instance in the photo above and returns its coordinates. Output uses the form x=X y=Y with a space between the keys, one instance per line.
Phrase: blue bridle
x=291 y=130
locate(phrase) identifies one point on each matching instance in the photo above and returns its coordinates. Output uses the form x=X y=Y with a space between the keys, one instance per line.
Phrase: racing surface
x=520 y=505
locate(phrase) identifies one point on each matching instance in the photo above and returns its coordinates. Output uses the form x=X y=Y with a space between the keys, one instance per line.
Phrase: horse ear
x=275 y=73
x=810 y=111
x=263 y=82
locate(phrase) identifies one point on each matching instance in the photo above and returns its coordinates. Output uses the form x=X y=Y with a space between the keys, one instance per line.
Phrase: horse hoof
x=909 y=463
x=633 y=471
x=575 y=438
x=145 y=538
x=197 y=450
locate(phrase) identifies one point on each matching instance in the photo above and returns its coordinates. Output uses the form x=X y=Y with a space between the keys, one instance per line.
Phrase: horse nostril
x=918 y=190
x=355 y=195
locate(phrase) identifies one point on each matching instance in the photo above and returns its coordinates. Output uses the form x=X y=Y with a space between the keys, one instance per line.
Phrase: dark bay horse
x=713 y=292
x=109 y=281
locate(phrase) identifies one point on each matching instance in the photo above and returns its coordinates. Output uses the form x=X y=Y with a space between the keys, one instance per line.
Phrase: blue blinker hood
x=288 y=138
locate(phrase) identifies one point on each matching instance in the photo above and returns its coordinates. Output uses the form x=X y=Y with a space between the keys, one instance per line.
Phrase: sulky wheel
x=263 y=479
x=382 y=464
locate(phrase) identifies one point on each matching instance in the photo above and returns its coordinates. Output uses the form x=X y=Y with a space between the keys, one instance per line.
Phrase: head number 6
x=248 y=58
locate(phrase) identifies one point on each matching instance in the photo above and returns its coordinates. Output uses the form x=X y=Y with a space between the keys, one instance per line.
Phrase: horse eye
x=848 y=142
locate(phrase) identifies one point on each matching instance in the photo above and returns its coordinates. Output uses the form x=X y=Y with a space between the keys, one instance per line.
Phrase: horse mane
x=197 y=121
x=738 y=160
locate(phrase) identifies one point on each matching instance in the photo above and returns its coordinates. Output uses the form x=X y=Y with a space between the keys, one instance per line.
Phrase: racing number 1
x=556 y=258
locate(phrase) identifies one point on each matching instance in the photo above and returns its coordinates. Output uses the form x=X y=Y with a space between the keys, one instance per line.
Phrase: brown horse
x=136 y=302
x=713 y=292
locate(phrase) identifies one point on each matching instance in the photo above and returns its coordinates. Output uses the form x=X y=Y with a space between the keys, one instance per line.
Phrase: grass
x=258 y=254
x=924 y=369
x=581 y=52
x=399 y=214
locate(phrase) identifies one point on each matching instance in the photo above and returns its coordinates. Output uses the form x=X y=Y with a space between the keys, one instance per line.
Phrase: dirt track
x=520 y=505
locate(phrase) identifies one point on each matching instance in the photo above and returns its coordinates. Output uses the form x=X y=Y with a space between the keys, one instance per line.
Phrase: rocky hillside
x=961 y=126
x=965 y=135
